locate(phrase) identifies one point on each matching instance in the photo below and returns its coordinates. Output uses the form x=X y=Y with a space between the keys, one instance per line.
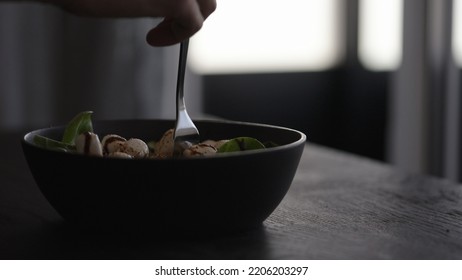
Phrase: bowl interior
x=148 y=130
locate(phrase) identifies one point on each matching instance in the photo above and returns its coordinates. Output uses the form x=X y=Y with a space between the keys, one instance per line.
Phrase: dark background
x=344 y=107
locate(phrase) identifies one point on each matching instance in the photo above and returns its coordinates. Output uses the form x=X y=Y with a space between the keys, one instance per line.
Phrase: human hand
x=181 y=18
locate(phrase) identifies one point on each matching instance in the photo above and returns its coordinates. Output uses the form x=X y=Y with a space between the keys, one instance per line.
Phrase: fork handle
x=181 y=73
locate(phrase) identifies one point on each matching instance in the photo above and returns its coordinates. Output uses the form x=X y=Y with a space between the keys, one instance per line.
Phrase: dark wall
x=341 y=108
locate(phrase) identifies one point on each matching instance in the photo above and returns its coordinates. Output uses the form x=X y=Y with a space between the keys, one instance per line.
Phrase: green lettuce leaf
x=79 y=124
x=50 y=144
x=241 y=144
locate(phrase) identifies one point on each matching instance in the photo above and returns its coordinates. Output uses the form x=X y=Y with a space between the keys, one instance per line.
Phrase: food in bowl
x=79 y=137
x=220 y=194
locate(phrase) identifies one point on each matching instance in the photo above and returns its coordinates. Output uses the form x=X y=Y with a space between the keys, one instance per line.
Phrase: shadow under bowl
x=221 y=193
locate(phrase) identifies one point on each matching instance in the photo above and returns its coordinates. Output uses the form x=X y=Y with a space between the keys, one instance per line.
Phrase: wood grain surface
x=340 y=206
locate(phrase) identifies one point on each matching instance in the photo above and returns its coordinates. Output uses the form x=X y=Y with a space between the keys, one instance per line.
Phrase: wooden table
x=340 y=206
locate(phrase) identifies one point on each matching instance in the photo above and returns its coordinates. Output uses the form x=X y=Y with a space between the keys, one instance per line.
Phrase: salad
x=79 y=137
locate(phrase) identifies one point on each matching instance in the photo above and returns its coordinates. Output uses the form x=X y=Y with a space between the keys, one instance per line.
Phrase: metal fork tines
x=186 y=133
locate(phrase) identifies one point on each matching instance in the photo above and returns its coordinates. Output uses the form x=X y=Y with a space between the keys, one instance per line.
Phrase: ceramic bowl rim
x=27 y=139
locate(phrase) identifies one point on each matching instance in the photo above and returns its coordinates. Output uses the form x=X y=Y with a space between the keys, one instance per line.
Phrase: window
x=269 y=36
x=380 y=34
x=457 y=32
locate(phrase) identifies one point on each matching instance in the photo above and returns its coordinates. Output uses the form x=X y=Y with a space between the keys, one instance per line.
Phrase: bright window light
x=457 y=32
x=380 y=34
x=245 y=36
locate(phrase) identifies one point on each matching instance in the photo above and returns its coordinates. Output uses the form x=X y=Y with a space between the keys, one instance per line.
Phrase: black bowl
x=222 y=193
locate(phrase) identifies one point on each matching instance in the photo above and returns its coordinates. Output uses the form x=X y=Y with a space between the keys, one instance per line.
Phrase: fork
x=186 y=133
